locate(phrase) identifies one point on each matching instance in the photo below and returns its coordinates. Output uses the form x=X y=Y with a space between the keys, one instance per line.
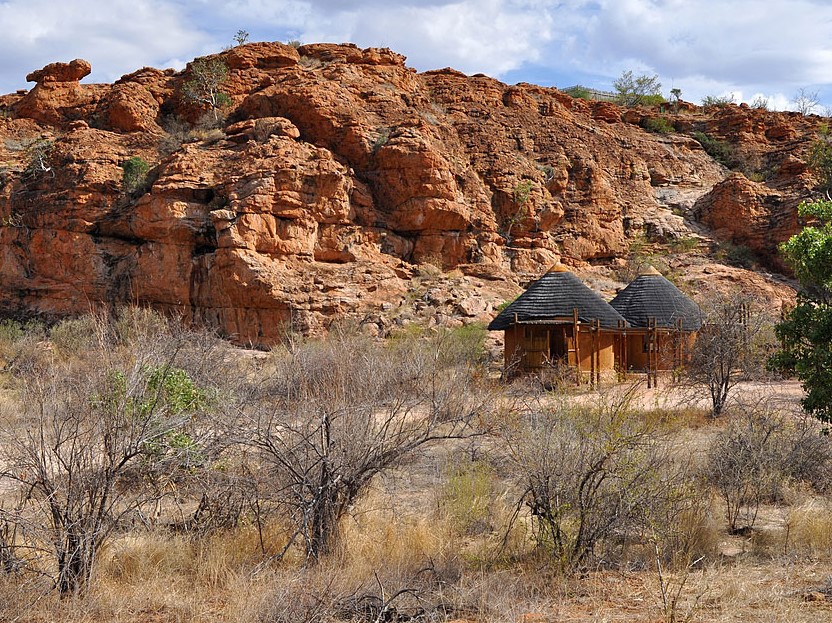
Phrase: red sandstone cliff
x=337 y=171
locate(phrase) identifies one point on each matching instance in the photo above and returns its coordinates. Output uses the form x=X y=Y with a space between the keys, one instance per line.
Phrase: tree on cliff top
x=806 y=330
x=634 y=90
x=204 y=88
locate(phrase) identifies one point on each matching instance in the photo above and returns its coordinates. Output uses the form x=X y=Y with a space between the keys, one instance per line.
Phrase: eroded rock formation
x=337 y=171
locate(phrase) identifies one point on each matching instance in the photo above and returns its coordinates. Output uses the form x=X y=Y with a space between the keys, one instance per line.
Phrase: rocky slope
x=341 y=183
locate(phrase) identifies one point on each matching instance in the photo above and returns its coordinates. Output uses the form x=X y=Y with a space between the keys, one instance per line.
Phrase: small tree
x=635 y=90
x=241 y=37
x=590 y=476
x=806 y=101
x=91 y=436
x=204 y=86
x=520 y=199
x=38 y=154
x=727 y=349
x=806 y=331
x=676 y=97
x=338 y=412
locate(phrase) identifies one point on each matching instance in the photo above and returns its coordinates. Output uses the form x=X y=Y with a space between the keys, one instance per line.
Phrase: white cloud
x=116 y=39
x=708 y=47
x=735 y=45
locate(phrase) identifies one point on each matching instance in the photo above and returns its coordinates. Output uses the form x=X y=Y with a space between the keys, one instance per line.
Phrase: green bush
x=737 y=255
x=659 y=125
x=653 y=100
x=579 y=92
x=134 y=176
x=16 y=338
x=467 y=497
x=465 y=344
x=74 y=335
x=820 y=158
x=717 y=100
x=505 y=304
x=719 y=150
x=522 y=191
x=683 y=245
x=11 y=331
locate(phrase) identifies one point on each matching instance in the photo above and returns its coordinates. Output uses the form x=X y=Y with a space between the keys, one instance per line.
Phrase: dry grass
x=809 y=530
x=160 y=578
x=444 y=531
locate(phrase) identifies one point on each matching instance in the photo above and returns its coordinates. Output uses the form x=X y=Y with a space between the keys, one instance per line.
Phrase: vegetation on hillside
x=806 y=330
x=637 y=90
x=348 y=479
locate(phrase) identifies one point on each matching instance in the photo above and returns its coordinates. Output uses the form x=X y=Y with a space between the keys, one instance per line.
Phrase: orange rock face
x=61 y=72
x=336 y=171
x=750 y=214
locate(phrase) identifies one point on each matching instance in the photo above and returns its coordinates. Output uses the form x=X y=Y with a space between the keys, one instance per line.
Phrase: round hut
x=558 y=320
x=663 y=322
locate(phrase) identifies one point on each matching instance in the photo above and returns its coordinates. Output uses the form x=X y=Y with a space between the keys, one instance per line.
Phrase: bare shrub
x=593 y=479
x=806 y=101
x=760 y=451
x=90 y=437
x=337 y=412
x=730 y=347
x=19 y=350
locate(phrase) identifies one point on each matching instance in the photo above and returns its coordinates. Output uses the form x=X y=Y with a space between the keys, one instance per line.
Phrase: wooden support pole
x=625 y=351
x=576 y=336
x=593 y=346
x=649 y=337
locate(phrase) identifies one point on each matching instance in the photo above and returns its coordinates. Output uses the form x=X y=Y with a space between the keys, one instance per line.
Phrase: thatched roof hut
x=652 y=297
x=555 y=296
x=558 y=321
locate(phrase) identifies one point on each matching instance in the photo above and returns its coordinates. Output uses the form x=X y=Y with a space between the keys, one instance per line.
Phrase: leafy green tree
x=820 y=158
x=806 y=331
x=204 y=87
x=632 y=90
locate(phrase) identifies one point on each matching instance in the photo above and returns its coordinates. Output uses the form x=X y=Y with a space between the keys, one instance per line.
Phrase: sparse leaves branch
x=204 y=87
x=806 y=101
x=635 y=90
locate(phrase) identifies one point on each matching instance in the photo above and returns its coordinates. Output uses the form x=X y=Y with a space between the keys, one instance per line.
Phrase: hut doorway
x=558 y=345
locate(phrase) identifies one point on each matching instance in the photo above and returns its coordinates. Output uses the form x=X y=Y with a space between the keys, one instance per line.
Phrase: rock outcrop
x=335 y=172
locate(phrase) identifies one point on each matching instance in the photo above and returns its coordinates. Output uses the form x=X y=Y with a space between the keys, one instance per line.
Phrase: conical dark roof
x=653 y=296
x=555 y=295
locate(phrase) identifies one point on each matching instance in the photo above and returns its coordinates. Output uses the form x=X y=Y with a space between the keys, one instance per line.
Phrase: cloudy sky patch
x=708 y=47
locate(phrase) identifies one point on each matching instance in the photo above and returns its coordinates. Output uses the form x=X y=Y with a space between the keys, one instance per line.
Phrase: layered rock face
x=332 y=175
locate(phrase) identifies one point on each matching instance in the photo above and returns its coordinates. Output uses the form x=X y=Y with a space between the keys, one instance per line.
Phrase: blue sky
x=706 y=47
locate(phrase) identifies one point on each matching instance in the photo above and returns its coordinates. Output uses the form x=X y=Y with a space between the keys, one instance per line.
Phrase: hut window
x=645 y=343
